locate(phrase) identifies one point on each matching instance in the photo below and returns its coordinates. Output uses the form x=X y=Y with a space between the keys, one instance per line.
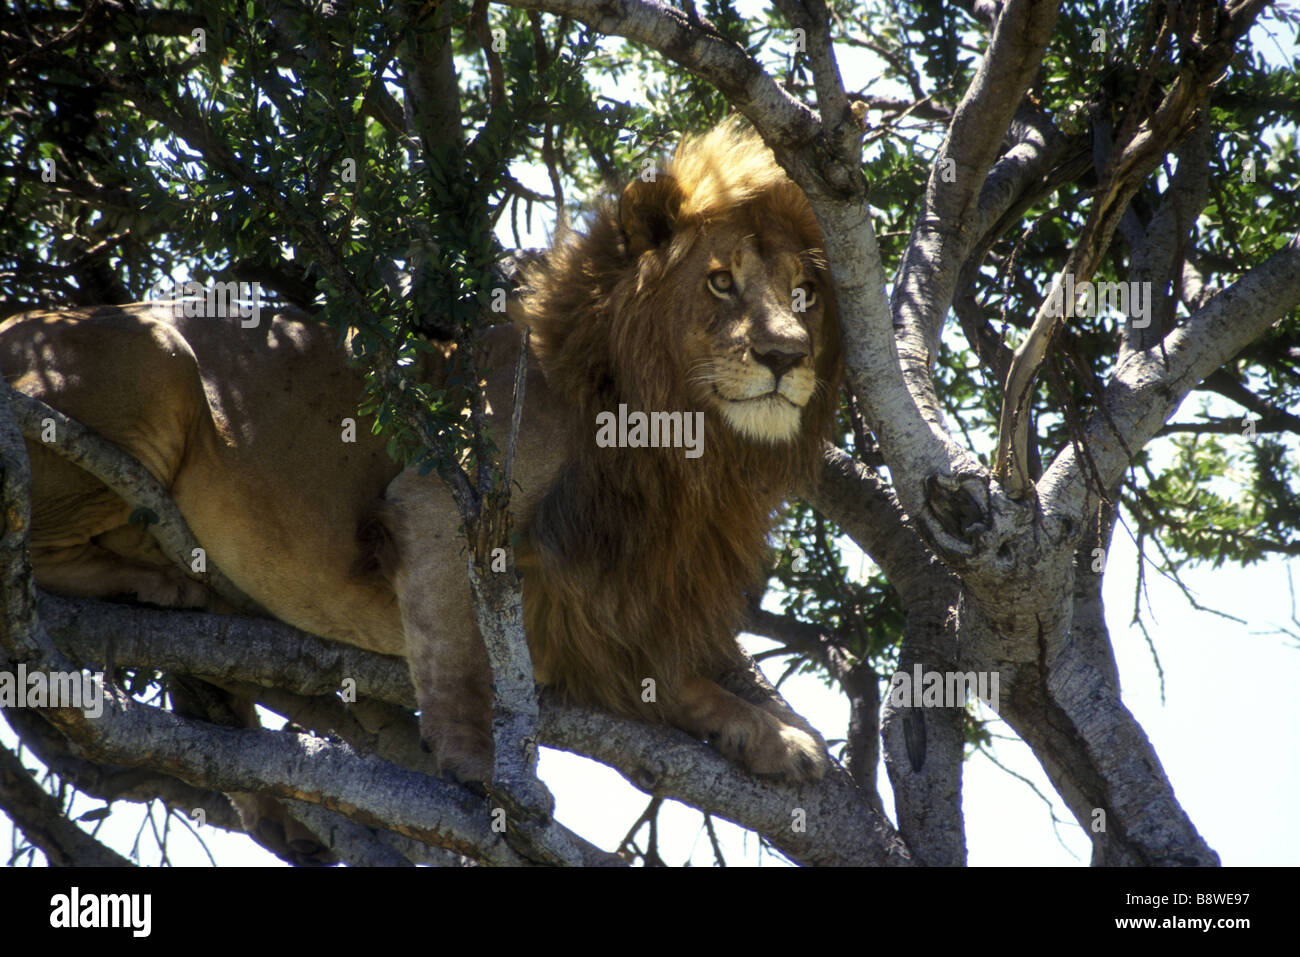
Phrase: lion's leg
x=89 y=571
x=448 y=661
x=84 y=544
x=755 y=737
x=453 y=685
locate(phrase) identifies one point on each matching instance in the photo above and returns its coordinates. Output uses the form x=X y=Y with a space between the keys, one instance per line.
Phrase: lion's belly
x=290 y=544
x=280 y=481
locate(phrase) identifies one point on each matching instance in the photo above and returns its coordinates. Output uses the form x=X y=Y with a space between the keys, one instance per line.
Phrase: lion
x=698 y=300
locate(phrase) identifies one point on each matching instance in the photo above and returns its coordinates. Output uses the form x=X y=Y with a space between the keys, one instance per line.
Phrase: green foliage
x=860 y=609
x=1222 y=500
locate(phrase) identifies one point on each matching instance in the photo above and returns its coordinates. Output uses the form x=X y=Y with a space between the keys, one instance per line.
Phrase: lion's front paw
x=753 y=737
x=772 y=748
x=461 y=751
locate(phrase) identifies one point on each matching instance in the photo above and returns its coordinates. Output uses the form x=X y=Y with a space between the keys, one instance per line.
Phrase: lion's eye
x=722 y=282
x=805 y=297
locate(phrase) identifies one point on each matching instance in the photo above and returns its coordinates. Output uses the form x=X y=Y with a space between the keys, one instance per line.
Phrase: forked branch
x=1209 y=36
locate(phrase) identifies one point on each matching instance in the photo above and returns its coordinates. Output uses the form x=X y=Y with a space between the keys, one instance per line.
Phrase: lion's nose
x=780 y=359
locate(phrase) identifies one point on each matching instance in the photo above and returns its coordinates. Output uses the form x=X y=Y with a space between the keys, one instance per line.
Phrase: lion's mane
x=638 y=560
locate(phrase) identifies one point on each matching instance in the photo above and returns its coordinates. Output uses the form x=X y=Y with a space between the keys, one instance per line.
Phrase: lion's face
x=753 y=332
x=711 y=295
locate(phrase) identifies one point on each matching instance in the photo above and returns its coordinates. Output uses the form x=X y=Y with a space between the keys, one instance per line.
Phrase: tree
x=1099 y=199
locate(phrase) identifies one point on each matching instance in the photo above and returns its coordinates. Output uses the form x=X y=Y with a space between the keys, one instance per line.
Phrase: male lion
x=701 y=294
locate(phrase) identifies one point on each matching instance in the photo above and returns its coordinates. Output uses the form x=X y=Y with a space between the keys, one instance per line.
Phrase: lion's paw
x=168 y=588
x=772 y=748
x=462 y=752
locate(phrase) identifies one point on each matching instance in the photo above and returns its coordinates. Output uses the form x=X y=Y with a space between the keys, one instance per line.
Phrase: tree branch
x=364 y=789
x=40 y=817
x=1158 y=257
x=701 y=49
x=961 y=187
x=841 y=826
x=1143 y=146
x=925 y=746
x=1148 y=386
x=864 y=506
x=132 y=481
x=110 y=783
x=259 y=650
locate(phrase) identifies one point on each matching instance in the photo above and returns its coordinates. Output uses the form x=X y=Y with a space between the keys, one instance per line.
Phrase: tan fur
x=635 y=560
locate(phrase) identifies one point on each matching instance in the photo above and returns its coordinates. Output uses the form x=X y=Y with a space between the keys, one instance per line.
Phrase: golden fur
x=644 y=555
x=681 y=297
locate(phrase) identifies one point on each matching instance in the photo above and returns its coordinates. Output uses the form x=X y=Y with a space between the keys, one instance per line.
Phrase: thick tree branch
x=961 y=189
x=259 y=650
x=110 y=783
x=432 y=92
x=840 y=826
x=838 y=121
x=499 y=613
x=927 y=786
x=364 y=789
x=864 y=506
x=925 y=746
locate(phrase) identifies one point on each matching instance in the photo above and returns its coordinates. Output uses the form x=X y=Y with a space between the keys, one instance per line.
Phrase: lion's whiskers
x=701 y=372
x=814 y=257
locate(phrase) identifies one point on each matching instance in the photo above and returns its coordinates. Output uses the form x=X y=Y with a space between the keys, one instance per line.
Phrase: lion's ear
x=647 y=212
